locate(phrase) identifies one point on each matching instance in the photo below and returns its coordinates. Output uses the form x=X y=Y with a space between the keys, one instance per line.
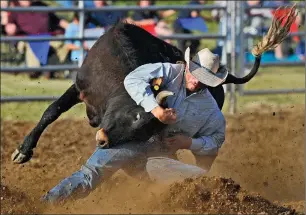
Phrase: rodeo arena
x=164 y=107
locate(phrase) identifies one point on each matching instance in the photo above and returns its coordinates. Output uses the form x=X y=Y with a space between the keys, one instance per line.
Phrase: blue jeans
x=104 y=162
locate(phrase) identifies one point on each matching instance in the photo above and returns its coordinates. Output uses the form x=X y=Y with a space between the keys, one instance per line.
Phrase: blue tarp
x=193 y=24
x=40 y=48
x=269 y=57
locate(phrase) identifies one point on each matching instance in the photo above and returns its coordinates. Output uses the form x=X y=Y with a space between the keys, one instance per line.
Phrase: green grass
x=21 y=85
x=273 y=78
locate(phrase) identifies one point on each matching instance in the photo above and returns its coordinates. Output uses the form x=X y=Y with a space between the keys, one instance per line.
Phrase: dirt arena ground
x=259 y=169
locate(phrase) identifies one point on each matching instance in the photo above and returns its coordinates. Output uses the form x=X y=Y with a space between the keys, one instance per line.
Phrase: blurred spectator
x=66 y=3
x=256 y=23
x=89 y=4
x=71 y=3
x=74 y=47
x=275 y=3
x=4 y=17
x=146 y=18
x=219 y=16
x=5 y=14
x=33 y=24
x=194 y=44
x=285 y=48
x=106 y=19
x=257 y=18
x=300 y=50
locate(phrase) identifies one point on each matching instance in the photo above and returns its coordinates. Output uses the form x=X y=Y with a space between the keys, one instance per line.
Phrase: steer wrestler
x=193 y=114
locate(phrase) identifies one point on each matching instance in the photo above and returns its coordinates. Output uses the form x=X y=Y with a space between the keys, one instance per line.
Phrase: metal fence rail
x=285 y=64
x=53 y=68
x=5 y=99
x=132 y=8
x=115 y=8
x=272 y=92
x=61 y=38
x=299 y=5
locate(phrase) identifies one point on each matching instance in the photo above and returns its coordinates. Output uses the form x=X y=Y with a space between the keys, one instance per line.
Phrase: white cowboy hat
x=204 y=67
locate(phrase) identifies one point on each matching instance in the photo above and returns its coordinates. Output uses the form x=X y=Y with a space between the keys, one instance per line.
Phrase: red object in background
x=150 y=29
x=294 y=27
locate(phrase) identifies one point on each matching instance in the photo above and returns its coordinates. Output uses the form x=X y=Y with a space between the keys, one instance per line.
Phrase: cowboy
x=192 y=112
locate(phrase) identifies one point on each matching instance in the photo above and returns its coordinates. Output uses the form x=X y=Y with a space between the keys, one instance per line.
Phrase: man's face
x=192 y=84
x=144 y=3
x=99 y=3
x=24 y=3
x=251 y=3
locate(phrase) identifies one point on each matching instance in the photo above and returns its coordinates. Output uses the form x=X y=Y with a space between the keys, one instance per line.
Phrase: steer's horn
x=163 y=95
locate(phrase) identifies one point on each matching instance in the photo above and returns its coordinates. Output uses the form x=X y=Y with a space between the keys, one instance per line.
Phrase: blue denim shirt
x=198 y=115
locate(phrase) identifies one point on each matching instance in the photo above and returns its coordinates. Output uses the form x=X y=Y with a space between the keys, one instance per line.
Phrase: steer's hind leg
x=25 y=151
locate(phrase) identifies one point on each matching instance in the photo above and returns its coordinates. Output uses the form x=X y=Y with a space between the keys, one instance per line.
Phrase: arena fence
x=243 y=64
x=234 y=12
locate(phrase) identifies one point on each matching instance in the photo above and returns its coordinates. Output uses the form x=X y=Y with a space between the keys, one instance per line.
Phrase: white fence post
x=81 y=30
x=232 y=98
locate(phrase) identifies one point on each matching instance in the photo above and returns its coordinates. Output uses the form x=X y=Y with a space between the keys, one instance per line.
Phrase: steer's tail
x=278 y=31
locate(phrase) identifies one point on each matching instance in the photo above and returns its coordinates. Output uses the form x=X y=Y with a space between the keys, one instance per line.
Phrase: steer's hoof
x=18 y=157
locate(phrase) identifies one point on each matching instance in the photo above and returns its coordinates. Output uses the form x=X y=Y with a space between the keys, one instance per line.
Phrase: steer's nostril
x=101 y=138
x=103 y=144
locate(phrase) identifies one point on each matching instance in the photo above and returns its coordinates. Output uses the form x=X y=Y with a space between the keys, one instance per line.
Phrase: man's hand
x=178 y=142
x=166 y=116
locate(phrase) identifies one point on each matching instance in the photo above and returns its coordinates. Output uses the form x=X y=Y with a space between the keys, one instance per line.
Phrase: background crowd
x=158 y=23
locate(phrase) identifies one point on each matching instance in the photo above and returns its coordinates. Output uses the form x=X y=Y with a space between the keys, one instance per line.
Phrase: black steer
x=99 y=84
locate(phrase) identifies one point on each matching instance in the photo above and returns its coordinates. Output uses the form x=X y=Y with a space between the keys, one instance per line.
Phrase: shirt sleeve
x=211 y=136
x=137 y=83
x=68 y=33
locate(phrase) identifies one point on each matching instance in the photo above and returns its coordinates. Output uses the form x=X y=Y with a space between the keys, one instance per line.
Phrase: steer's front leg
x=25 y=151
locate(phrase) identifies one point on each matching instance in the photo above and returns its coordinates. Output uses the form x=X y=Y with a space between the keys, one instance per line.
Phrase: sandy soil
x=260 y=169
